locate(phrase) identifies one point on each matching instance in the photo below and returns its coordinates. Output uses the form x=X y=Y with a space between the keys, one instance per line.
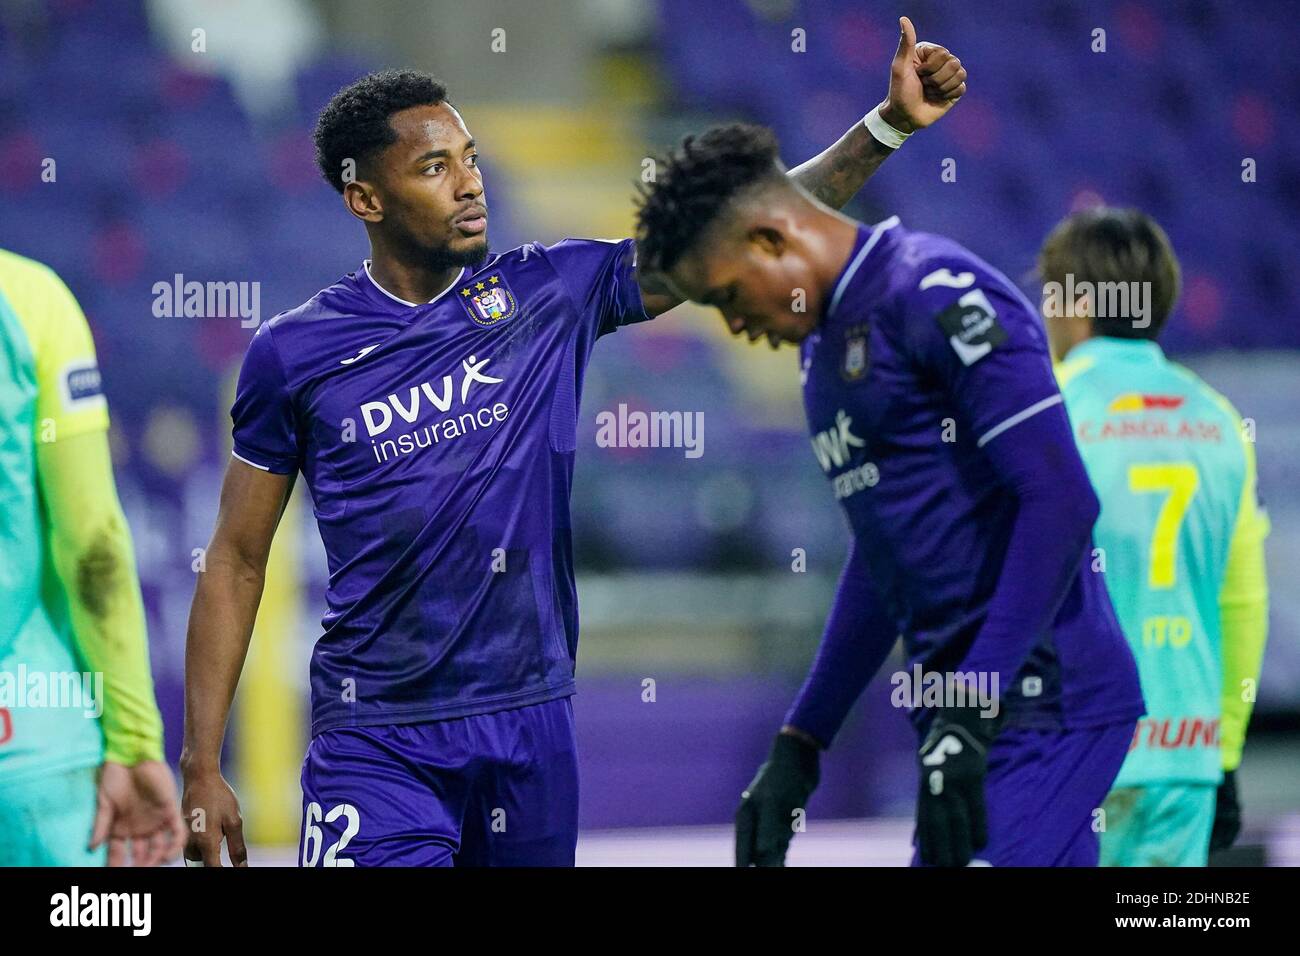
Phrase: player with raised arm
x=82 y=781
x=430 y=402
x=934 y=414
x=1181 y=529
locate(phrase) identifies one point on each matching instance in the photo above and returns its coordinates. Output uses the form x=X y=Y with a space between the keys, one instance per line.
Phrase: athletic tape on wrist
x=882 y=131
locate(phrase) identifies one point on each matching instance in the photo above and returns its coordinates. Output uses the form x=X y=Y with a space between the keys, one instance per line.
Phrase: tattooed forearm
x=836 y=174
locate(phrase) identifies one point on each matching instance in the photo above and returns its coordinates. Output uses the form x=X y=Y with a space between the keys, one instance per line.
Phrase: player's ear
x=767 y=240
x=363 y=201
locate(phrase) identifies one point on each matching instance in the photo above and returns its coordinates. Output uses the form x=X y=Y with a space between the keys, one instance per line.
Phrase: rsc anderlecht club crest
x=488 y=300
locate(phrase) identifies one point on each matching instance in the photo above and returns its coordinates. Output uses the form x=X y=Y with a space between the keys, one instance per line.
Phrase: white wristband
x=882 y=131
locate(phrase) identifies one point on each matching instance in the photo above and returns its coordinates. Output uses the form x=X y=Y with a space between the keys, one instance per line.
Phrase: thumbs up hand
x=925 y=81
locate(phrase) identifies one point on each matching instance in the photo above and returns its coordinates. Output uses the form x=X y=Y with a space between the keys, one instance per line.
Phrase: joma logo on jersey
x=379 y=415
x=489 y=301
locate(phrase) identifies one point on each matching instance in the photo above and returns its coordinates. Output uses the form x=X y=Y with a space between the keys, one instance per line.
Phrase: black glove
x=765 y=820
x=1227 y=814
x=951 y=823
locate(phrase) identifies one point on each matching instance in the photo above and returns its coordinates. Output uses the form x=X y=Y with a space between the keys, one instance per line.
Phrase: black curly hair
x=354 y=124
x=694 y=183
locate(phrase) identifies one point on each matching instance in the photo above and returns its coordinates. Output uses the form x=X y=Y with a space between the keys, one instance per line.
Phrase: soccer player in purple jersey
x=935 y=415
x=430 y=402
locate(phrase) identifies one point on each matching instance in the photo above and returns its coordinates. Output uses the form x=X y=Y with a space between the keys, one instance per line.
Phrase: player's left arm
x=91 y=548
x=977 y=339
x=1243 y=621
x=137 y=811
x=980 y=340
x=925 y=81
x=92 y=555
x=89 y=540
x=1243 y=616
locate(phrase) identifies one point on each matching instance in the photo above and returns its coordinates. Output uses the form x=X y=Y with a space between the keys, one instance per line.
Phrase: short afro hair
x=354 y=124
x=694 y=183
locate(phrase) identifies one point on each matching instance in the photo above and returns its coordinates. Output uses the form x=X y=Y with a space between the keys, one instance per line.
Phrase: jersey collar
x=1109 y=345
x=863 y=249
x=365 y=265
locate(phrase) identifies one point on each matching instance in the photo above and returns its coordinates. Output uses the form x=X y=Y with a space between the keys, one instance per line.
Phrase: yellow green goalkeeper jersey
x=1180 y=540
x=49 y=387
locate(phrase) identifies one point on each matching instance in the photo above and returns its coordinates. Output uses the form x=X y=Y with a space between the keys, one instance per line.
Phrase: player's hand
x=925 y=81
x=1227 y=814
x=766 y=820
x=136 y=814
x=951 y=822
x=212 y=811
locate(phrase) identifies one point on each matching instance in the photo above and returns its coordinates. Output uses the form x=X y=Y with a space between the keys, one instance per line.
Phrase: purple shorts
x=1043 y=791
x=497 y=789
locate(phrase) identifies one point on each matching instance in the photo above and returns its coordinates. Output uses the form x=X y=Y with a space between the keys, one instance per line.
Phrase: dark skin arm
x=225 y=605
x=835 y=175
x=925 y=81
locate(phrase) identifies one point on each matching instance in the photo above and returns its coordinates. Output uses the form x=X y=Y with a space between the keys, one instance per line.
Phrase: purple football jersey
x=437 y=442
x=925 y=355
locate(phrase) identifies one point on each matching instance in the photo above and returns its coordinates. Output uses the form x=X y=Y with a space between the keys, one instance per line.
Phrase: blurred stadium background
x=181 y=135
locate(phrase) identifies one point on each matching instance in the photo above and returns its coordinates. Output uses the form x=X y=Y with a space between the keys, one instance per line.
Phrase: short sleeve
x=981 y=340
x=70 y=392
x=601 y=278
x=265 y=429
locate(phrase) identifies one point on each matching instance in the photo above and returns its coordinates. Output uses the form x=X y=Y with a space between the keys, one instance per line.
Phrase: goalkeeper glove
x=766 y=820
x=1227 y=814
x=951 y=822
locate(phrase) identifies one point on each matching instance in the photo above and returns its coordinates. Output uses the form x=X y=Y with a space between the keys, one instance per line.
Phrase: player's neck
x=836 y=236
x=413 y=282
